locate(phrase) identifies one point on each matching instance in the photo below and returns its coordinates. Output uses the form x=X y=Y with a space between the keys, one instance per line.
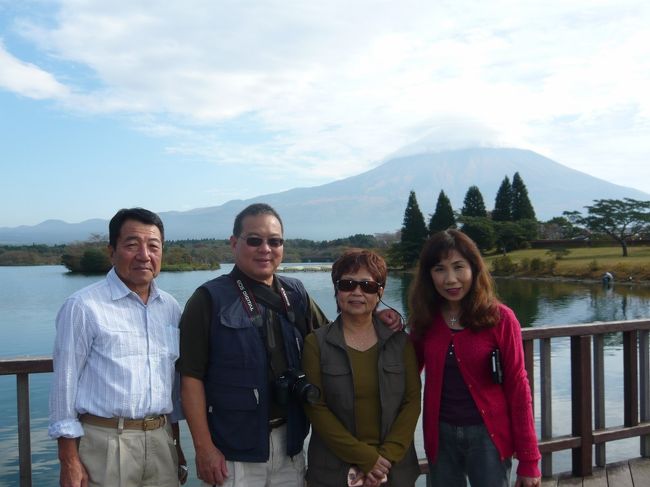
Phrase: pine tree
x=503 y=202
x=522 y=208
x=414 y=232
x=443 y=218
x=473 y=205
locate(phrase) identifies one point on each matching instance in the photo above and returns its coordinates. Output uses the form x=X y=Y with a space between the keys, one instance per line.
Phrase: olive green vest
x=326 y=469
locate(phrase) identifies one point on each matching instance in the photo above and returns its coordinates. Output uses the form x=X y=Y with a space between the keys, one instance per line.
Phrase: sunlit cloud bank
x=315 y=91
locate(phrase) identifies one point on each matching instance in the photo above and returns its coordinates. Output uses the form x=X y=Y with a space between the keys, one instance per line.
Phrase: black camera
x=294 y=384
x=495 y=367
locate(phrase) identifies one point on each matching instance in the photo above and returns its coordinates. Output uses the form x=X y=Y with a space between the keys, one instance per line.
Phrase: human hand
x=391 y=318
x=370 y=481
x=211 y=465
x=356 y=477
x=73 y=473
x=379 y=472
x=528 y=481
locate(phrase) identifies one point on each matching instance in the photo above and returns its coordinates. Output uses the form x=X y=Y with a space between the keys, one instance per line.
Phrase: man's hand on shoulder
x=211 y=465
x=391 y=318
x=73 y=473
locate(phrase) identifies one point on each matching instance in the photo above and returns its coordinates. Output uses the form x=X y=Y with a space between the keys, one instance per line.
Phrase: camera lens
x=293 y=384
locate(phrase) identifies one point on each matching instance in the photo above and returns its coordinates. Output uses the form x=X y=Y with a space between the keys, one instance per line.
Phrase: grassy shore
x=580 y=263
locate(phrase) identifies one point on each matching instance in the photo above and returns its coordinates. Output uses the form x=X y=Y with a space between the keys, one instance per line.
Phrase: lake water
x=31 y=296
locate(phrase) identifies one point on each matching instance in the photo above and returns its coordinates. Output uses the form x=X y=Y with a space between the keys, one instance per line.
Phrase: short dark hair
x=254 y=210
x=138 y=214
x=354 y=259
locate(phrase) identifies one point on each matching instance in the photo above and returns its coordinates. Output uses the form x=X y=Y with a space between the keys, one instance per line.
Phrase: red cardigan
x=506 y=409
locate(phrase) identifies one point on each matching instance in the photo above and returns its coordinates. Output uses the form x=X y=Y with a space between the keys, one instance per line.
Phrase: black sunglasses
x=274 y=242
x=347 y=285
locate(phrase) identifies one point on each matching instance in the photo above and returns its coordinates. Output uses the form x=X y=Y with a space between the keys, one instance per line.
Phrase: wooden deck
x=630 y=473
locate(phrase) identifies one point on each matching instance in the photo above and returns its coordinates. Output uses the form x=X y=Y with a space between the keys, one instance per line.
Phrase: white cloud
x=331 y=87
x=28 y=80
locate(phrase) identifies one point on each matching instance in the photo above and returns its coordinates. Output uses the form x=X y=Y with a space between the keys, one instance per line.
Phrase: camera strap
x=277 y=300
x=249 y=304
x=267 y=326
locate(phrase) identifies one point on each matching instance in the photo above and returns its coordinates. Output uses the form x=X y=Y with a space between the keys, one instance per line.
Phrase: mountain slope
x=374 y=201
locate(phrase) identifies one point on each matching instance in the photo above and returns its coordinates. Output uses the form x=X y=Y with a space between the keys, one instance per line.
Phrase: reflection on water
x=546 y=302
x=31 y=296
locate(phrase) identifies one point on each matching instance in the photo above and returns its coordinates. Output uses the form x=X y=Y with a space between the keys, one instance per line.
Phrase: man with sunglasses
x=241 y=346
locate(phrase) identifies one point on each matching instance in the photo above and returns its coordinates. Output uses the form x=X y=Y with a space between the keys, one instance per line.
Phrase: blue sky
x=181 y=105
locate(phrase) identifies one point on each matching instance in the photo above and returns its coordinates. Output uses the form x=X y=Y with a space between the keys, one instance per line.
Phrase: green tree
x=559 y=228
x=510 y=235
x=481 y=230
x=413 y=233
x=522 y=208
x=443 y=218
x=95 y=261
x=473 y=204
x=503 y=202
x=621 y=220
x=530 y=228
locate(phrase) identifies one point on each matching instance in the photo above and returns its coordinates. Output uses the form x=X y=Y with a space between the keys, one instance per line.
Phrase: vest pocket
x=233 y=410
x=337 y=383
x=395 y=377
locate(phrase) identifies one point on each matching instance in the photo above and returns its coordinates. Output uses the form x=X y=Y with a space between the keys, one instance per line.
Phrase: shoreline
x=586 y=280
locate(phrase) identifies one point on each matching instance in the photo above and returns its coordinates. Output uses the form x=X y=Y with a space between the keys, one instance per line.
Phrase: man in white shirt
x=114 y=354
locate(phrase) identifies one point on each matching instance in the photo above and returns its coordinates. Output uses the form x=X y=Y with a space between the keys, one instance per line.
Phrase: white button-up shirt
x=114 y=356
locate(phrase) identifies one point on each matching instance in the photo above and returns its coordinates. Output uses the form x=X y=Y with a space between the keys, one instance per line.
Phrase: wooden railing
x=21 y=368
x=587 y=402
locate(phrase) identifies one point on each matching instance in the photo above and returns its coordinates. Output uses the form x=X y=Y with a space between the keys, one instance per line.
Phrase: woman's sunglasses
x=347 y=285
x=274 y=242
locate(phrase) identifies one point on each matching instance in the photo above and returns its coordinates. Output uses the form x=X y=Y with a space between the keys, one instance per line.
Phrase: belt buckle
x=151 y=423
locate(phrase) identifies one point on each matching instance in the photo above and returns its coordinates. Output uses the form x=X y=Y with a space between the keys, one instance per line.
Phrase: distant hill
x=374 y=201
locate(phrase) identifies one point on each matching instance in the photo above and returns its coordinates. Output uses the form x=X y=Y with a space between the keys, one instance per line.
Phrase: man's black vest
x=237 y=380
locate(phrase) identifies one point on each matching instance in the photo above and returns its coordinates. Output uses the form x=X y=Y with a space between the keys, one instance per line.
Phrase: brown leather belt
x=145 y=424
x=277 y=422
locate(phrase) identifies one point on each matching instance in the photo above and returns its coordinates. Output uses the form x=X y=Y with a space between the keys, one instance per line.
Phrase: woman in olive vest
x=364 y=421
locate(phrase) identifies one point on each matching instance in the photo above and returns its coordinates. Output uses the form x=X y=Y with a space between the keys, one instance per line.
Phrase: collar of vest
x=335 y=331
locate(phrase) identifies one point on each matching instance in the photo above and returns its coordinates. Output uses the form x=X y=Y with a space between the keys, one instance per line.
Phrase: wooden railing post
x=630 y=379
x=581 y=404
x=24 y=440
x=644 y=376
x=529 y=363
x=599 y=394
x=546 y=409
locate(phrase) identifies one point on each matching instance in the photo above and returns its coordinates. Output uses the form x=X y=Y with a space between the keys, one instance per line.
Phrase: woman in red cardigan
x=476 y=415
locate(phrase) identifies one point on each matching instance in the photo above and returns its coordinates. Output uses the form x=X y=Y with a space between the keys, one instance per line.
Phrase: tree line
x=92 y=257
x=512 y=223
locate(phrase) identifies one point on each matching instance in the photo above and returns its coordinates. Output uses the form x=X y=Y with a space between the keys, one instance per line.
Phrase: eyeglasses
x=273 y=242
x=347 y=285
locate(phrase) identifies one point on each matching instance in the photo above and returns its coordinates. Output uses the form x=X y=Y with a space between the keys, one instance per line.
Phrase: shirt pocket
x=120 y=343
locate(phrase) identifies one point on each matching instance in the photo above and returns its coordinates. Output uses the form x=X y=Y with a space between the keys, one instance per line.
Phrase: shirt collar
x=120 y=290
